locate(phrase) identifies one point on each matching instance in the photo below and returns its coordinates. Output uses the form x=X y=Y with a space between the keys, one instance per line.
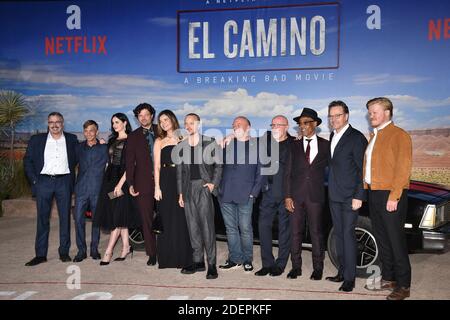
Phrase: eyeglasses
x=305 y=123
x=54 y=122
x=275 y=125
x=335 y=116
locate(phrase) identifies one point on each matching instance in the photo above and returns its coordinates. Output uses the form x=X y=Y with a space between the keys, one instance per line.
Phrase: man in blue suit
x=49 y=163
x=240 y=185
x=92 y=160
x=345 y=189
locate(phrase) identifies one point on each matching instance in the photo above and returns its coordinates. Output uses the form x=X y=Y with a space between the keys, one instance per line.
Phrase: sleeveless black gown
x=173 y=245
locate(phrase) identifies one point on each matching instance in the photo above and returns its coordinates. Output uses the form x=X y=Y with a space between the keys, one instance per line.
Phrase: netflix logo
x=75 y=44
x=439 y=29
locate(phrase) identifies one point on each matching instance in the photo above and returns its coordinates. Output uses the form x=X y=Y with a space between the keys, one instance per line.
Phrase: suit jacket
x=210 y=171
x=345 y=179
x=139 y=164
x=33 y=160
x=91 y=167
x=304 y=180
x=239 y=181
x=271 y=177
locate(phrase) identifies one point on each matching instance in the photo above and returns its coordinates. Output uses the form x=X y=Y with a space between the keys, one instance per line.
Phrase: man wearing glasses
x=272 y=202
x=49 y=163
x=305 y=192
x=345 y=189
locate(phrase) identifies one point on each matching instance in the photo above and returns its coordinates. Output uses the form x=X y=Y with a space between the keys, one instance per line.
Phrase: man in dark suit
x=49 y=163
x=198 y=178
x=240 y=186
x=272 y=202
x=139 y=172
x=92 y=159
x=345 y=189
x=305 y=192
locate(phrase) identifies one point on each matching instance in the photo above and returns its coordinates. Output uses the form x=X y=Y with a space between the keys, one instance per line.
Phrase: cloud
x=383 y=78
x=418 y=103
x=53 y=75
x=239 y=102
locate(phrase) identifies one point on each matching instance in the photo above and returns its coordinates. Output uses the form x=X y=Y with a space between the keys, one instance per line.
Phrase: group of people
x=155 y=167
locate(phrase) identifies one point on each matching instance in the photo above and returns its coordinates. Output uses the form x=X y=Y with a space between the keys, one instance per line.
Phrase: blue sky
x=397 y=61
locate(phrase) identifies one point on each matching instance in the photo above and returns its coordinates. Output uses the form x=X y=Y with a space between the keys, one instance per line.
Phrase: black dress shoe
x=80 y=257
x=65 y=258
x=294 y=273
x=95 y=255
x=316 y=275
x=277 y=271
x=151 y=261
x=212 y=272
x=36 y=261
x=199 y=266
x=190 y=269
x=336 y=278
x=347 y=286
x=262 y=272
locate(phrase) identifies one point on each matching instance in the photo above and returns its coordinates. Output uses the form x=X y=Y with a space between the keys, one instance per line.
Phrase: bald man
x=272 y=202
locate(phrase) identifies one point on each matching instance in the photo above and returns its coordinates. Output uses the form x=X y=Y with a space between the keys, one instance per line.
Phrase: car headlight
x=434 y=217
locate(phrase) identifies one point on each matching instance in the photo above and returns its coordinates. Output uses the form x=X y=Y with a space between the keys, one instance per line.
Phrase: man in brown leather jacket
x=387 y=170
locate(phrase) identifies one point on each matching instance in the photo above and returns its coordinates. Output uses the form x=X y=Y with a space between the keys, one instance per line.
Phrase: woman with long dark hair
x=115 y=208
x=173 y=245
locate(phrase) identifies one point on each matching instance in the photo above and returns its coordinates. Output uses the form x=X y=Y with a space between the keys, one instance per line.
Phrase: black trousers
x=344 y=222
x=268 y=208
x=389 y=231
x=199 y=211
x=313 y=213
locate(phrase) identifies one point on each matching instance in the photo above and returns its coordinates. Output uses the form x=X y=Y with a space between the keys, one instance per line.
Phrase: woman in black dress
x=173 y=244
x=115 y=210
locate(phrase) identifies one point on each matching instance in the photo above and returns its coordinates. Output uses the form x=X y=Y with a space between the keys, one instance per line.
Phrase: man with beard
x=139 y=172
x=49 y=163
x=305 y=192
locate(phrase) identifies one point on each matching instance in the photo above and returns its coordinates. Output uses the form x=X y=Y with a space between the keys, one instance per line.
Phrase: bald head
x=280 y=126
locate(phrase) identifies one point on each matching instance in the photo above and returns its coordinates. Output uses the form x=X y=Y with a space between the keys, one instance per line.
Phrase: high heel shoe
x=105 y=263
x=130 y=251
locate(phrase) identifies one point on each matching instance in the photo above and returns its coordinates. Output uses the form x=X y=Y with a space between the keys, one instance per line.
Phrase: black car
x=427 y=226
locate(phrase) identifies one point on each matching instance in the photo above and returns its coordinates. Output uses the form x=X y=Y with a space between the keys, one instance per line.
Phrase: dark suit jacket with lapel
x=139 y=165
x=239 y=181
x=91 y=166
x=302 y=179
x=210 y=171
x=345 y=180
x=33 y=160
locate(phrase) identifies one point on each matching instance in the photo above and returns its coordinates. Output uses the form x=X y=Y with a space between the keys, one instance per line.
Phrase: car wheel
x=368 y=254
x=136 y=237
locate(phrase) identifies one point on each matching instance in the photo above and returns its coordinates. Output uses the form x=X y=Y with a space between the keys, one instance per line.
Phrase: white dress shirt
x=55 y=156
x=313 y=145
x=368 y=169
x=336 y=137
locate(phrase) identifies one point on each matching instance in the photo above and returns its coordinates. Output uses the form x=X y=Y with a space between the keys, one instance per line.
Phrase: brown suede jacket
x=391 y=161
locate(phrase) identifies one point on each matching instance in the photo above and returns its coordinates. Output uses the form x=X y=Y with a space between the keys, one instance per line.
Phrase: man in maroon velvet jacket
x=305 y=192
x=139 y=168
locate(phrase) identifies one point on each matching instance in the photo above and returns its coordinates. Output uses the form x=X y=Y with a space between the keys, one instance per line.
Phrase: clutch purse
x=157 y=226
x=111 y=195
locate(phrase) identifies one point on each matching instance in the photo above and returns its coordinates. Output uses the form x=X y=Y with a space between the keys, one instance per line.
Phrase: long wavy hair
x=173 y=119
x=122 y=117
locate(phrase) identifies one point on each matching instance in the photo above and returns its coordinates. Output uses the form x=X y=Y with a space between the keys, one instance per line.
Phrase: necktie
x=150 y=140
x=308 y=150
